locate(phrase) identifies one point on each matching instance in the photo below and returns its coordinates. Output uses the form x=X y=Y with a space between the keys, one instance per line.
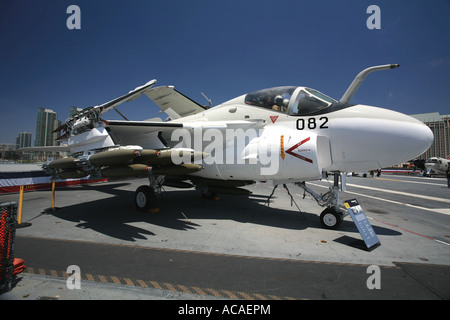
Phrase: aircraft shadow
x=183 y=210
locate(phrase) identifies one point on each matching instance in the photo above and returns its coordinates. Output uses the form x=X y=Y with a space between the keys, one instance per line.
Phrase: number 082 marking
x=312 y=123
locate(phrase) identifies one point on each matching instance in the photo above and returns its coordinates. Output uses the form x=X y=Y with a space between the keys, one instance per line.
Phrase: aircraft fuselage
x=339 y=137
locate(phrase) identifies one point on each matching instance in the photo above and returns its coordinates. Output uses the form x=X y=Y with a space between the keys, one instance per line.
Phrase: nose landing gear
x=333 y=215
x=330 y=218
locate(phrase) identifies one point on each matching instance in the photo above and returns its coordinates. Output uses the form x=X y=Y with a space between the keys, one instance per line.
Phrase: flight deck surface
x=235 y=247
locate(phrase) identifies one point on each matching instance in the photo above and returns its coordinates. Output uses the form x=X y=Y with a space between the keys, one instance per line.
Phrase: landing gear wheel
x=330 y=218
x=144 y=199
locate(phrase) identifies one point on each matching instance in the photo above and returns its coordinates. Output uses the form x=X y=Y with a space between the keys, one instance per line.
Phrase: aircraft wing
x=155 y=134
x=95 y=112
x=130 y=96
x=173 y=102
x=147 y=134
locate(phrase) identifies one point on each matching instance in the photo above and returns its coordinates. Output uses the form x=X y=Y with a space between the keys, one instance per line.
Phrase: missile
x=156 y=157
x=113 y=157
x=72 y=174
x=65 y=163
x=174 y=170
x=132 y=170
x=147 y=156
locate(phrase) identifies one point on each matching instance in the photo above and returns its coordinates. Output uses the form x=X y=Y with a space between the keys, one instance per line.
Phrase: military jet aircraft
x=437 y=165
x=288 y=134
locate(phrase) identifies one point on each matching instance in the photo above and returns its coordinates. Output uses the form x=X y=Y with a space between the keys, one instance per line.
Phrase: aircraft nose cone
x=420 y=135
x=425 y=136
x=373 y=137
x=403 y=136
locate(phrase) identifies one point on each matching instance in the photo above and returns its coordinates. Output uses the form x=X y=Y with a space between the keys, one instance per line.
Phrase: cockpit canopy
x=295 y=101
x=433 y=160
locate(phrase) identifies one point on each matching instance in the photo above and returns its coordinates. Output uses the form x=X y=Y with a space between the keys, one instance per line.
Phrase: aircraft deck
x=235 y=247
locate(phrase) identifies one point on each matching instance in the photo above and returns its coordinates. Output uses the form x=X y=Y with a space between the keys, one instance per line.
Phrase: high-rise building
x=23 y=140
x=440 y=125
x=46 y=122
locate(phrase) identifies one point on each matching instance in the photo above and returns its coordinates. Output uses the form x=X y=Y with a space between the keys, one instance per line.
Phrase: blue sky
x=221 y=48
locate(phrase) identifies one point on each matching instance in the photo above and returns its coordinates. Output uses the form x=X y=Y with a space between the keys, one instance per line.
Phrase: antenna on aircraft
x=359 y=79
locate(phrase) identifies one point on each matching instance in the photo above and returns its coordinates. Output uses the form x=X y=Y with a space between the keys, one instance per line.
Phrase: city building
x=8 y=152
x=24 y=141
x=46 y=122
x=440 y=125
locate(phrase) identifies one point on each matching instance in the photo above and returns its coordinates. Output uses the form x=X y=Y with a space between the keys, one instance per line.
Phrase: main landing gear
x=145 y=199
x=145 y=196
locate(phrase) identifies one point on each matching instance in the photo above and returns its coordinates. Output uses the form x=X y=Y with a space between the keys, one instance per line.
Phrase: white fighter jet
x=289 y=134
x=437 y=165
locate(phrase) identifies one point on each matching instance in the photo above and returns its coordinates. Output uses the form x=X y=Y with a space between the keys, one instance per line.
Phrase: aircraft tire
x=330 y=219
x=144 y=199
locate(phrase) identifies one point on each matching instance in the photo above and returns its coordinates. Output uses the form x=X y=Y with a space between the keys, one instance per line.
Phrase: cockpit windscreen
x=276 y=99
x=295 y=101
x=309 y=101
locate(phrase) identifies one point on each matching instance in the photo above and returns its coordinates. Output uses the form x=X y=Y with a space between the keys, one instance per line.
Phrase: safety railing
x=8 y=214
